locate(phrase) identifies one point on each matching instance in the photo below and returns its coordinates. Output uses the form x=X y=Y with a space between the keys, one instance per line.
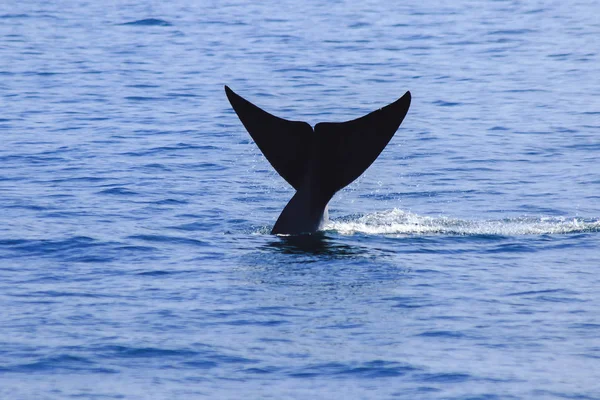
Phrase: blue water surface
x=135 y=254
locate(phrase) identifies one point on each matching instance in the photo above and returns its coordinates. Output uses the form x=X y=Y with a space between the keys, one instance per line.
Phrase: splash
x=398 y=222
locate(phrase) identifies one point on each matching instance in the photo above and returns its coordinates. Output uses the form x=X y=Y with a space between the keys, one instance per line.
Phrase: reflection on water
x=316 y=244
x=318 y=263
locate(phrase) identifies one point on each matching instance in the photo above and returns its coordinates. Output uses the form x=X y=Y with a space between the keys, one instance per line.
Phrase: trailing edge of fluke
x=317 y=162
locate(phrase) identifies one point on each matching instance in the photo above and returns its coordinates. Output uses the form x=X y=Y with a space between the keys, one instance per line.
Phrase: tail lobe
x=286 y=144
x=347 y=149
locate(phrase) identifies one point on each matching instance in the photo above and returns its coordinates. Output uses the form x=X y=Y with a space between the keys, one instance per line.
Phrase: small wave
x=169 y=239
x=11 y=16
x=148 y=22
x=121 y=191
x=398 y=222
x=446 y=103
x=368 y=370
x=62 y=362
x=142 y=98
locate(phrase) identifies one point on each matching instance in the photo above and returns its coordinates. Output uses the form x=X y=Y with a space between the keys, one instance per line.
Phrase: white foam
x=398 y=222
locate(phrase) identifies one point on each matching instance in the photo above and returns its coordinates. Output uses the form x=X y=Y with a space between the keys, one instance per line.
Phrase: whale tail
x=317 y=162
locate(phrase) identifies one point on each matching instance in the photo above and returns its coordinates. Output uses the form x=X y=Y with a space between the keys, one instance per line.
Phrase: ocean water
x=135 y=254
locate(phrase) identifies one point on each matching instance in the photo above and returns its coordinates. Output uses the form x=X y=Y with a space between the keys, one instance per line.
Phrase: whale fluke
x=317 y=163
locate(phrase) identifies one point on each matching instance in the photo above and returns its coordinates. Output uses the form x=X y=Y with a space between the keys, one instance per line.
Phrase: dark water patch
x=512 y=248
x=45 y=278
x=443 y=103
x=118 y=191
x=147 y=22
x=201 y=364
x=259 y=311
x=136 y=249
x=341 y=326
x=551 y=296
x=33 y=159
x=119 y=351
x=203 y=357
x=13 y=242
x=155 y=273
x=278 y=340
x=419 y=36
x=592 y=352
x=589 y=326
x=169 y=240
x=76 y=249
x=92 y=396
x=167 y=149
x=89 y=118
x=12 y=38
x=170 y=202
x=143 y=86
x=184 y=95
x=14 y=16
x=161 y=167
x=528 y=90
x=444 y=377
x=419 y=391
x=364 y=370
x=61 y=294
x=462 y=43
x=207 y=166
x=53 y=246
x=234 y=22
x=79 y=179
x=584 y=146
x=94 y=72
x=408 y=302
x=48 y=73
x=554 y=299
x=247 y=322
x=229 y=359
x=315 y=244
x=565 y=130
x=144 y=98
x=61 y=364
x=561 y=56
x=535 y=11
x=91 y=258
x=486 y=396
x=262 y=370
x=442 y=335
x=510 y=32
x=64 y=214
x=357 y=25
x=550 y=394
x=538 y=292
x=32 y=207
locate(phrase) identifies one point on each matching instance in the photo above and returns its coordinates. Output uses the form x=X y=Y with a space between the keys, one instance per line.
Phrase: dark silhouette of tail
x=317 y=163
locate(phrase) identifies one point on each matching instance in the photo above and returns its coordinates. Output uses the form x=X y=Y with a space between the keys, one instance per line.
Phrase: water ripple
x=148 y=22
x=364 y=370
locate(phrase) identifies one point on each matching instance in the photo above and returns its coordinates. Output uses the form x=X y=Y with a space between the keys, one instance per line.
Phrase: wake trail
x=398 y=222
